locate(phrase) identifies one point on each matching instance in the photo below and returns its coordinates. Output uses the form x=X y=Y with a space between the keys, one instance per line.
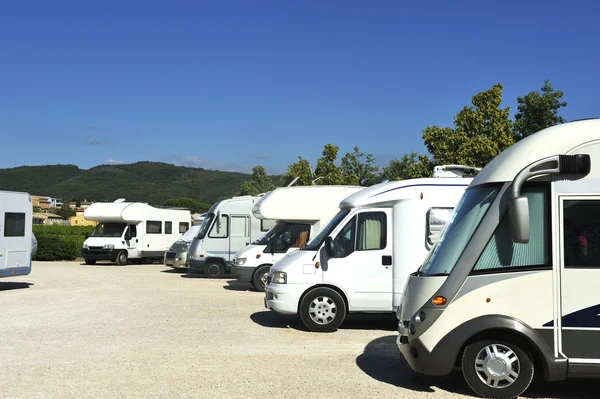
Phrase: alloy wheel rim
x=497 y=366
x=322 y=310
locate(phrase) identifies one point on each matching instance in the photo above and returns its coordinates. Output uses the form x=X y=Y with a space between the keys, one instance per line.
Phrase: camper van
x=176 y=256
x=301 y=212
x=132 y=231
x=511 y=289
x=17 y=242
x=360 y=261
x=228 y=227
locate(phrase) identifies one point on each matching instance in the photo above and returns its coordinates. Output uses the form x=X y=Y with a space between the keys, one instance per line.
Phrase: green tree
x=481 y=132
x=358 y=168
x=410 y=166
x=192 y=204
x=300 y=169
x=327 y=171
x=538 y=111
x=65 y=211
x=260 y=182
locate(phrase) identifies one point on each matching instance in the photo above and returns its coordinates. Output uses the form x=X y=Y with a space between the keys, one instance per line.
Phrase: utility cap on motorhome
x=454 y=170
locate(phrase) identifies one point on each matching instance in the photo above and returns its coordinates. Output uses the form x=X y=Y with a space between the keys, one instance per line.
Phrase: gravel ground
x=75 y=331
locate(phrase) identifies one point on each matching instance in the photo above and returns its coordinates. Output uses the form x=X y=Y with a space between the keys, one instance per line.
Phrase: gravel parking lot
x=70 y=331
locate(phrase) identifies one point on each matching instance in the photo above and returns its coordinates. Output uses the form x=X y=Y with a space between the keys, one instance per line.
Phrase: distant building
x=83 y=205
x=55 y=202
x=38 y=201
x=79 y=220
x=48 y=218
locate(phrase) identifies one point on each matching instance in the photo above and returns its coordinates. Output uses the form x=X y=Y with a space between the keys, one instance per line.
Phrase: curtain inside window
x=371 y=231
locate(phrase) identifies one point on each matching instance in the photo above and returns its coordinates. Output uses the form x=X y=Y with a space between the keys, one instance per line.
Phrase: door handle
x=386 y=260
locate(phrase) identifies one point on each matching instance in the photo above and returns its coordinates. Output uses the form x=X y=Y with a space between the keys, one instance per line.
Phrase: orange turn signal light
x=318 y=264
x=257 y=256
x=439 y=301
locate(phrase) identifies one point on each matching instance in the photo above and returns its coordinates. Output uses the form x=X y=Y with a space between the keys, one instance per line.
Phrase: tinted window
x=133 y=230
x=153 y=227
x=343 y=244
x=581 y=233
x=220 y=231
x=168 y=227
x=372 y=230
x=14 y=224
x=183 y=227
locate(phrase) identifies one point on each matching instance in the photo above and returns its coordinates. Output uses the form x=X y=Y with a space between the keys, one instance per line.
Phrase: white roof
x=394 y=191
x=302 y=203
x=555 y=140
x=130 y=212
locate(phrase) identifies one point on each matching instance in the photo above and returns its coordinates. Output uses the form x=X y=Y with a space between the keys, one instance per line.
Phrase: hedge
x=59 y=242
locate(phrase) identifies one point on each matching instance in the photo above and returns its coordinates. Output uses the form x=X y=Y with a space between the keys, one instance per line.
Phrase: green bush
x=59 y=242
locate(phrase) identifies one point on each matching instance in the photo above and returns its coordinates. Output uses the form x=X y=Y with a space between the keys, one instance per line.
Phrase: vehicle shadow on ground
x=7 y=286
x=201 y=275
x=235 y=285
x=272 y=319
x=382 y=361
x=174 y=271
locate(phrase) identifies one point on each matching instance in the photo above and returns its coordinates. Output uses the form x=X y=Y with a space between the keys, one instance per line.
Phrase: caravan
x=360 y=261
x=17 y=242
x=228 y=227
x=301 y=212
x=511 y=288
x=132 y=231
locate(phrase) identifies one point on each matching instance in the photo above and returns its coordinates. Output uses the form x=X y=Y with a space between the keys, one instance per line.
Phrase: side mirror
x=329 y=246
x=518 y=213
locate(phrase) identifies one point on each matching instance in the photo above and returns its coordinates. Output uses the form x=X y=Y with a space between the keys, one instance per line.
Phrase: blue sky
x=232 y=84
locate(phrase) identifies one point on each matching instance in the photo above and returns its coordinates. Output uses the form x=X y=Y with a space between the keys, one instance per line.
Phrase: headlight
x=239 y=261
x=279 y=278
x=85 y=246
x=108 y=246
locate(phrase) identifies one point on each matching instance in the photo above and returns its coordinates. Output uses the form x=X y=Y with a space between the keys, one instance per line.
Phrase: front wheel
x=213 y=270
x=122 y=258
x=497 y=369
x=322 y=310
x=258 y=278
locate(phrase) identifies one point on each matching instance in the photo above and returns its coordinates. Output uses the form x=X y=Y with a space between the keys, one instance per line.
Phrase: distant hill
x=152 y=182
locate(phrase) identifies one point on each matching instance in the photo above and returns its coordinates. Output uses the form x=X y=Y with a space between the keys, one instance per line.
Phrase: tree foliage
x=358 y=168
x=260 y=182
x=327 y=171
x=481 y=132
x=410 y=166
x=300 y=169
x=538 y=111
x=65 y=211
x=192 y=204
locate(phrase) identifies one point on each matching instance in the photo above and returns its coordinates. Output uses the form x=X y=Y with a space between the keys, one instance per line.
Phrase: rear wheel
x=497 y=369
x=122 y=258
x=322 y=310
x=258 y=280
x=214 y=269
x=90 y=261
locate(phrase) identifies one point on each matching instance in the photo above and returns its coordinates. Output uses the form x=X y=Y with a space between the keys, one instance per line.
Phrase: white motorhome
x=301 y=212
x=511 y=288
x=132 y=231
x=228 y=227
x=361 y=260
x=16 y=238
x=176 y=255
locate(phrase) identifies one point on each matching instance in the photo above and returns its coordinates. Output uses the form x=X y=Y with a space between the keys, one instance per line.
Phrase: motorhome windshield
x=189 y=235
x=275 y=230
x=205 y=225
x=316 y=242
x=458 y=232
x=109 y=230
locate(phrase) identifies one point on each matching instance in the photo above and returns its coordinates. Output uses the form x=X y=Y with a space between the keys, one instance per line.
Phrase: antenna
x=454 y=170
x=293 y=181
x=313 y=182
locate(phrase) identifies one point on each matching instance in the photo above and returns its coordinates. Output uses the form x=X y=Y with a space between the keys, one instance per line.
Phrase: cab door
x=362 y=264
x=240 y=234
x=579 y=321
x=133 y=242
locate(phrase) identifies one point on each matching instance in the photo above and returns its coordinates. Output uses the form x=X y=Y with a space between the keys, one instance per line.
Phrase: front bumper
x=243 y=273
x=176 y=260
x=196 y=264
x=104 y=254
x=419 y=358
x=284 y=298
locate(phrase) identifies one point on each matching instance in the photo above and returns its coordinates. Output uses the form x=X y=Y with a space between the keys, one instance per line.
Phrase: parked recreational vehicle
x=176 y=256
x=511 y=288
x=16 y=237
x=360 y=261
x=301 y=212
x=132 y=230
x=229 y=226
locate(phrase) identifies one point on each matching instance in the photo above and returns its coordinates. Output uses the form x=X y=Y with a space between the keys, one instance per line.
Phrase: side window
x=14 y=224
x=343 y=244
x=222 y=231
x=300 y=235
x=168 y=227
x=502 y=253
x=372 y=229
x=581 y=237
x=293 y=236
x=267 y=224
x=133 y=230
x=239 y=226
x=153 y=227
x=183 y=227
x=437 y=218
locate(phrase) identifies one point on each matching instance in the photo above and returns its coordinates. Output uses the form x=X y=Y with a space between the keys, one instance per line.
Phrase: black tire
x=520 y=370
x=257 y=278
x=90 y=261
x=214 y=269
x=122 y=258
x=322 y=310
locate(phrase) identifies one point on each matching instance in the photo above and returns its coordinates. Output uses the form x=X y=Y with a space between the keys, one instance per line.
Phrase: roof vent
x=120 y=200
x=454 y=170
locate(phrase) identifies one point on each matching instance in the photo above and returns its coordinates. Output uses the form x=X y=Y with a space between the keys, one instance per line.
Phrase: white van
x=132 y=230
x=360 y=261
x=511 y=288
x=176 y=255
x=228 y=227
x=301 y=212
x=16 y=237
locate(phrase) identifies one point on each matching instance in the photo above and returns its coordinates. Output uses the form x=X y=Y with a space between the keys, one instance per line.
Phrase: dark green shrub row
x=61 y=230
x=59 y=242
